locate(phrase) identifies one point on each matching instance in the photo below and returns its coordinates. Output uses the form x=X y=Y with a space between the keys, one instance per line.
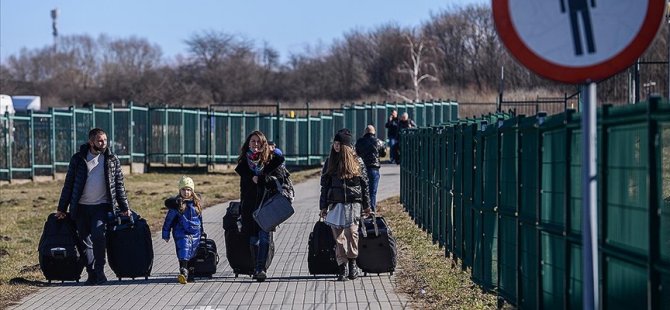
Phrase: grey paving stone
x=289 y=285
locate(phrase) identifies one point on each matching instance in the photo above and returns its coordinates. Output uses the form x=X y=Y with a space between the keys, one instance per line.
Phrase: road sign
x=577 y=41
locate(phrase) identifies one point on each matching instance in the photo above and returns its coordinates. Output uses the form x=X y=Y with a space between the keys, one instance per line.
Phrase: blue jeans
x=373 y=181
x=261 y=247
x=393 y=148
x=91 y=221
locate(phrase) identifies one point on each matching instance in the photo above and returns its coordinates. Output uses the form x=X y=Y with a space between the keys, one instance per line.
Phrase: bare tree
x=414 y=68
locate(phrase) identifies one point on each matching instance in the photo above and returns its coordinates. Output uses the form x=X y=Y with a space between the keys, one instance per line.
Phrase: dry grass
x=26 y=206
x=431 y=279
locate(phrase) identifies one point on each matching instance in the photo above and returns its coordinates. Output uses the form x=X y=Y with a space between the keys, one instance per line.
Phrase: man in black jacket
x=393 y=134
x=93 y=187
x=370 y=148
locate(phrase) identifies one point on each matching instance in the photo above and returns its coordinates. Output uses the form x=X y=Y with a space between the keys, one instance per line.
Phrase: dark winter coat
x=335 y=189
x=75 y=179
x=369 y=148
x=186 y=227
x=393 y=127
x=251 y=194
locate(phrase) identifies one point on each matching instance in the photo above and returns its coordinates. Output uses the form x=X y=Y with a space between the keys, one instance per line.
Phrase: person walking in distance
x=93 y=186
x=257 y=165
x=393 y=135
x=404 y=123
x=344 y=193
x=370 y=149
x=184 y=219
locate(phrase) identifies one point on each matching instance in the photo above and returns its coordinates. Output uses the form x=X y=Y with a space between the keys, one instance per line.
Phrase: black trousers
x=91 y=220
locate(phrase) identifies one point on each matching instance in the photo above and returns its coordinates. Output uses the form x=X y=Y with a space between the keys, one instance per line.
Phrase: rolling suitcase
x=129 y=248
x=321 y=250
x=206 y=258
x=376 y=246
x=238 y=251
x=59 y=254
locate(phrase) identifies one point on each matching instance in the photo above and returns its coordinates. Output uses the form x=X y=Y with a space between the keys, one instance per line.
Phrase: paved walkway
x=289 y=286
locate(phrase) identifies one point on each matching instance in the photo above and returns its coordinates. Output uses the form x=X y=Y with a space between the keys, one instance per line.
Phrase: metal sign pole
x=589 y=206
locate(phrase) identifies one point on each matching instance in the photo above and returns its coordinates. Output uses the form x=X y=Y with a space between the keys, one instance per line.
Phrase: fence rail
x=502 y=195
x=41 y=143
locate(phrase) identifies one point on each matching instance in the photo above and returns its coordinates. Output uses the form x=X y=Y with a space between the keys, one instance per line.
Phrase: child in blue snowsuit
x=184 y=218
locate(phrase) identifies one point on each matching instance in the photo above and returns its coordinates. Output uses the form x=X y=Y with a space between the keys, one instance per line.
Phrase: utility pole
x=54 y=27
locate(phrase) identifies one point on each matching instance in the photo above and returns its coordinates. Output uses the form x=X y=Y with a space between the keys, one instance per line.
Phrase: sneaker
x=183 y=276
x=261 y=276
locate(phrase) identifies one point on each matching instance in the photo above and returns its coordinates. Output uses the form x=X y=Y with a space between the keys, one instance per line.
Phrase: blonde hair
x=196 y=203
x=343 y=164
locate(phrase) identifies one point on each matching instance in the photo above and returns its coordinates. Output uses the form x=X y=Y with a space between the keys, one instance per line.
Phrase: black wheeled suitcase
x=321 y=250
x=376 y=246
x=206 y=258
x=59 y=254
x=129 y=248
x=238 y=251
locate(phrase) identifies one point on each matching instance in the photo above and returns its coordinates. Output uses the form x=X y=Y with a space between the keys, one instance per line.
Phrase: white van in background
x=25 y=103
x=6 y=105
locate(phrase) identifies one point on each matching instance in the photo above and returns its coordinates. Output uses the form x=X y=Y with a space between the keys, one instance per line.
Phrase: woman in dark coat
x=344 y=195
x=258 y=167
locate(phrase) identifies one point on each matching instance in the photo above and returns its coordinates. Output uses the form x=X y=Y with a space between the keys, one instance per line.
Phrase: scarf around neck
x=254 y=161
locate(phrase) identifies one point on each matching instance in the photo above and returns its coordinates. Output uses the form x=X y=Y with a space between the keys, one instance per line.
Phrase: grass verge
x=432 y=280
x=25 y=207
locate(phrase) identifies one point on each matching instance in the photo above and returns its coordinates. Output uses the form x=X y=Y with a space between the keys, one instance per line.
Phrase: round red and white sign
x=577 y=41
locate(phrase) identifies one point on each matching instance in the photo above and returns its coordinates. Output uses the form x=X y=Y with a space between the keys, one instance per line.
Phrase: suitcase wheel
x=391 y=272
x=147 y=278
x=119 y=279
x=365 y=274
x=236 y=275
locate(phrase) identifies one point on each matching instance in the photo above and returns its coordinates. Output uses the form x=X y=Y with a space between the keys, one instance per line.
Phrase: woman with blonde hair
x=344 y=193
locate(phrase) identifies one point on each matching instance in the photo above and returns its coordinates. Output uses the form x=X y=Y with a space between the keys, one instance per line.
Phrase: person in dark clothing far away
x=405 y=122
x=393 y=134
x=93 y=187
x=370 y=149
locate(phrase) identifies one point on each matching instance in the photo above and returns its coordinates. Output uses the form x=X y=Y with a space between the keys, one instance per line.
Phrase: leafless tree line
x=454 y=49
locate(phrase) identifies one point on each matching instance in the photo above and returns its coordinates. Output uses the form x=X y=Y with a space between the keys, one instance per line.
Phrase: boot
x=100 y=277
x=183 y=272
x=353 y=271
x=342 y=272
x=91 y=278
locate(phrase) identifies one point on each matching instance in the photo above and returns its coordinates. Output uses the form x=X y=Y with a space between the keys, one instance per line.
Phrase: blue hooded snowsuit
x=186 y=227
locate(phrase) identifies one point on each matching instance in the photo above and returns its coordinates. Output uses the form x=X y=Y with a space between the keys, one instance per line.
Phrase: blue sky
x=287 y=25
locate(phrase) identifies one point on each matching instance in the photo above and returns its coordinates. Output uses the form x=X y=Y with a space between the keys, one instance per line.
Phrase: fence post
x=9 y=137
x=53 y=143
x=181 y=136
x=309 y=136
x=131 y=134
x=653 y=137
x=277 y=126
x=32 y=145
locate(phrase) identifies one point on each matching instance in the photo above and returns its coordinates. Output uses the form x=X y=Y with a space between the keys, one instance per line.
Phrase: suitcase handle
x=374 y=224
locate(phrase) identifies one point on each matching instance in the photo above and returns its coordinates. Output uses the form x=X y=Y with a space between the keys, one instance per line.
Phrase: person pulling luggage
x=184 y=219
x=344 y=193
x=93 y=187
x=258 y=167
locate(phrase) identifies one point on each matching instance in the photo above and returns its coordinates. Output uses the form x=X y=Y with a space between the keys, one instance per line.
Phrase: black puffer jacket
x=369 y=148
x=335 y=189
x=76 y=176
x=251 y=194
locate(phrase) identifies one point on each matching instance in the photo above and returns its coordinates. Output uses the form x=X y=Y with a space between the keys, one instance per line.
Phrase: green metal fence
x=502 y=195
x=41 y=144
